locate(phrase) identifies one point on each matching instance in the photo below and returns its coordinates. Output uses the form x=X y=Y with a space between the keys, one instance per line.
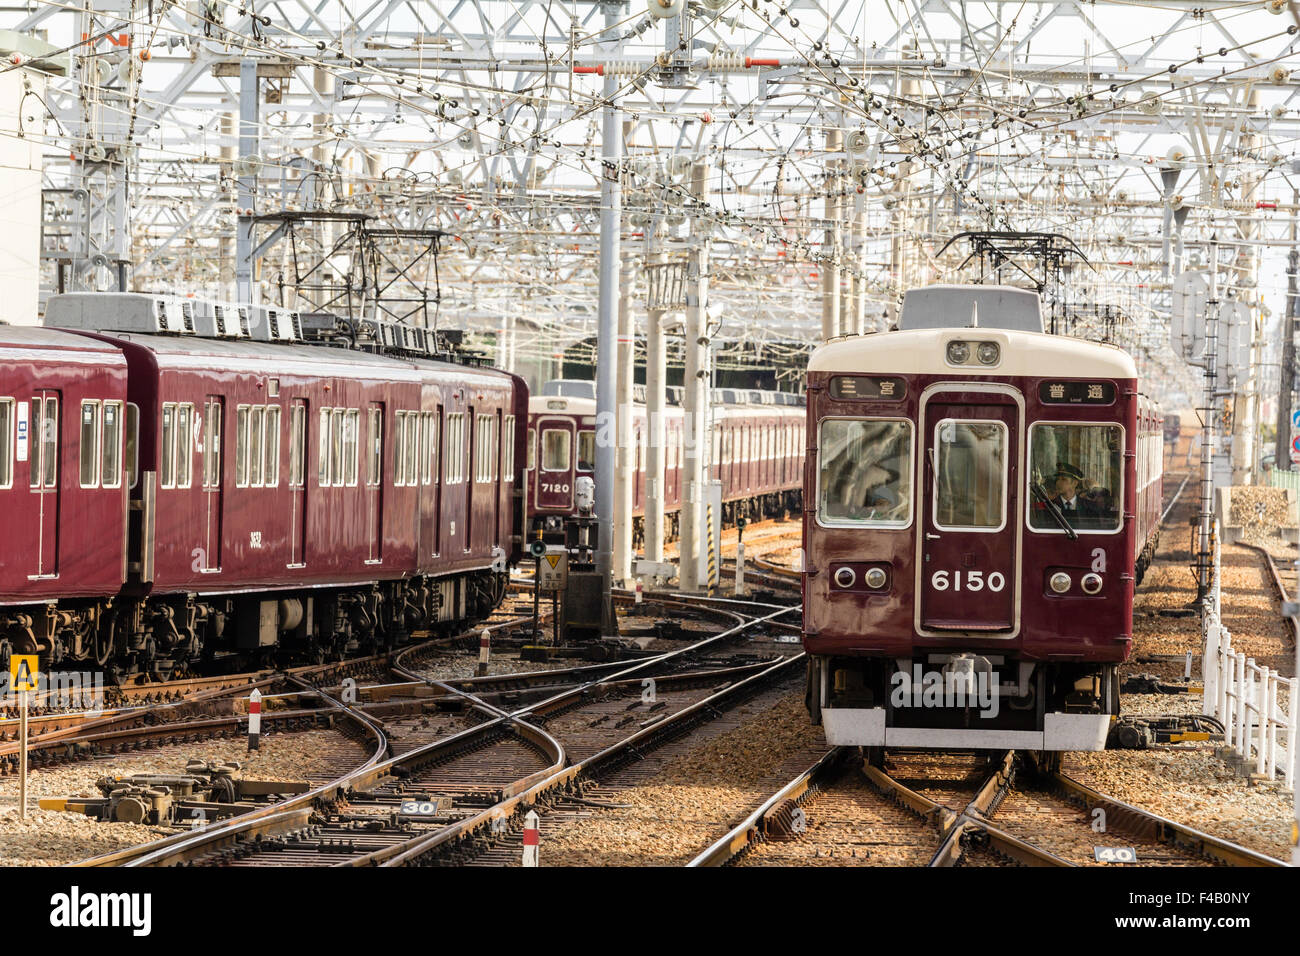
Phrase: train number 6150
x=975 y=581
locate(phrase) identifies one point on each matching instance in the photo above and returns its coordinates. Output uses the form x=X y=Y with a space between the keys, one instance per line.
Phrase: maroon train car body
x=756 y=453
x=275 y=497
x=978 y=500
x=63 y=492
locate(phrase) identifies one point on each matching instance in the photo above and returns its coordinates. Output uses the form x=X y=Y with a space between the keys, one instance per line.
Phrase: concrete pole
x=503 y=342
x=611 y=217
x=829 y=269
x=656 y=381
x=249 y=108
x=512 y=339
x=226 y=248
x=622 y=563
x=696 y=404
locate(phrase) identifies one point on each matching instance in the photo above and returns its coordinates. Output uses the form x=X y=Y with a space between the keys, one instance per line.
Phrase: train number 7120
x=973 y=581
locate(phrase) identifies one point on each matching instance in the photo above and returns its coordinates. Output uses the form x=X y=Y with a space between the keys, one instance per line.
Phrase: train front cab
x=561 y=448
x=948 y=602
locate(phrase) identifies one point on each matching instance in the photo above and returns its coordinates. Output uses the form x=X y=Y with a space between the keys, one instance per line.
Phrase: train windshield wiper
x=1054 y=511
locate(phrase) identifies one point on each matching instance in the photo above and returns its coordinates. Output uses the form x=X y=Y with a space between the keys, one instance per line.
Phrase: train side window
x=411 y=447
x=323 y=466
x=716 y=445
x=351 y=426
x=212 y=444
x=555 y=449
x=426 y=460
x=166 y=471
x=1079 y=468
x=399 y=447
x=375 y=470
x=241 y=446
x=336 y=447
x=256 y=423
x=110 y=448
x=297 y=443
x=6 y=442
x=532 y=450
x=435 y=447
x=865 y=472
x=586 y=451
x=132 y=450
x=508 y=449
x=271 y=447
x=970 y=475
x=89 y=447
x=50 y=442
x=184 y=447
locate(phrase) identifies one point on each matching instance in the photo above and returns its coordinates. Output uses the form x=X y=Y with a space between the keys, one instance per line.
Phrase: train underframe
x=962 y=700
x=162 y=636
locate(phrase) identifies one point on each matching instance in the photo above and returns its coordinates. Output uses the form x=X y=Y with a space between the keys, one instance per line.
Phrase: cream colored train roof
x=921 y=352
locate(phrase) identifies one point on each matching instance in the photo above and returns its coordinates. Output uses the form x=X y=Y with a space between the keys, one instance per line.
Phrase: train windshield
x=555 y=449
x=586 y=451
x=970 y=475
x=1077 y=469
x=866 y=472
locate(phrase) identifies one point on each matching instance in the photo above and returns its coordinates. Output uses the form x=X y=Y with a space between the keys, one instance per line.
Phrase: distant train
x=756 y=452
x=181 y=481
x=982 y=502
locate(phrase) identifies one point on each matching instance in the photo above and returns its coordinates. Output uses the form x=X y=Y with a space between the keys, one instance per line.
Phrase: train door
x=375 y=482
x=213 y=408
x=554 y=474
x=471 y=477
x=968 y=545
x=298 y=483
x=42 y=437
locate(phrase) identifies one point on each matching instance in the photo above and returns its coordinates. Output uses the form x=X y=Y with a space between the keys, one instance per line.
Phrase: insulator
x=726 y=62
x=623 y=68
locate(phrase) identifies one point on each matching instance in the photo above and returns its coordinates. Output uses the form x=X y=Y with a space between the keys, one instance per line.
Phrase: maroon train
x=756 y=453
x=981 y=499
x=168 y=497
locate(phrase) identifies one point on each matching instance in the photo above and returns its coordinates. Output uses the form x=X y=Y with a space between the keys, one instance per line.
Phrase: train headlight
x=1091 y=583
x=845 y=577
x=958 y=352
x=875 y=578
x=988 y=353
x=1060 y=582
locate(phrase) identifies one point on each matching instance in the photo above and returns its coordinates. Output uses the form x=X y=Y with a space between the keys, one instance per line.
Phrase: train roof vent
x=243 y=321
x=219 y=320
x=118 y=312
x=269 y=323
x=966 y=306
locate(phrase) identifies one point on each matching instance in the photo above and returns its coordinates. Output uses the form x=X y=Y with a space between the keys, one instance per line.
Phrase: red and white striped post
x=638 y=590
x=254 y=718
x=484 y=652
x=532 y=838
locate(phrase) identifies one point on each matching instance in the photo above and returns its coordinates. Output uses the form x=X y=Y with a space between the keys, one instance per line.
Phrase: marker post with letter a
x=24 y=670
x=254 y=719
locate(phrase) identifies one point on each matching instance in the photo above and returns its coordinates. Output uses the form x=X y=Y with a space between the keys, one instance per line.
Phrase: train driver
x=1073 y=505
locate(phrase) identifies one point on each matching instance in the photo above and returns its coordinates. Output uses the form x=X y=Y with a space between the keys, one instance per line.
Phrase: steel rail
x=410 y=852
x=1152 y=826
x=755 y=827
x=279 y=818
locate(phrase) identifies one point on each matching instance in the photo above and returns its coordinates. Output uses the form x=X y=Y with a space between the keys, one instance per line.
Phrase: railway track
x=430 y=797
x=966 y=815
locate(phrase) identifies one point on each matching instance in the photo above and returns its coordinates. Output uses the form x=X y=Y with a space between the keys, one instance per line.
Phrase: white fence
x=1247 y=698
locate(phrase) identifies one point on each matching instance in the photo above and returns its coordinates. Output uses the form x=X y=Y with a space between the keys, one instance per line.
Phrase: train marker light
x=1060 y=582
x=845 y=577
x=875 y=578
x=1091 y=583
